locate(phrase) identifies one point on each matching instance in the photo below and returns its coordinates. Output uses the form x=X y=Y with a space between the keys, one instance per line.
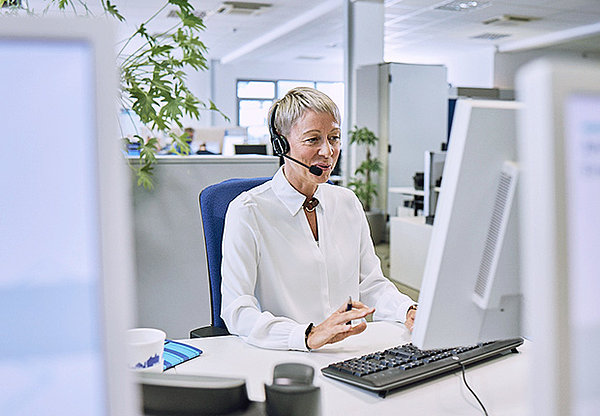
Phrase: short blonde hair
x=295 y=102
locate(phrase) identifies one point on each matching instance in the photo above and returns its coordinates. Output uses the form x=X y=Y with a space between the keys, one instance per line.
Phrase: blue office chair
x=214 y=201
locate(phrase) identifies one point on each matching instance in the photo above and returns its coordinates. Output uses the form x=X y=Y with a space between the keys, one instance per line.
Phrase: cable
x=464 y=377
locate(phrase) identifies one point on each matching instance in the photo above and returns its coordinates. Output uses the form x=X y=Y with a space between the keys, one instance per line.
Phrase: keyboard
x=405 y=365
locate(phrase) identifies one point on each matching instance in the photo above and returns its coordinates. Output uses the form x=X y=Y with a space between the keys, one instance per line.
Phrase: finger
x=366 y=308
x=323 y=334
x=348 y=331
x=358 y=304
x=344 y=307
x=356 y=314
x=357 y=329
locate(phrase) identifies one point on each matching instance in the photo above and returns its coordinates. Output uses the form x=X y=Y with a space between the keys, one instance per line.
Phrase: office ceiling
x=313 y=30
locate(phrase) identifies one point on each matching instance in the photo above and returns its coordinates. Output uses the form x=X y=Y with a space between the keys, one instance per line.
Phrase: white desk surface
x=406 y=190
x=501 y=384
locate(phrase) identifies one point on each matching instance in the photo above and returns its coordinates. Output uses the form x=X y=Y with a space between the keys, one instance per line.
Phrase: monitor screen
x=582 y=162
x=470 y=290
x=250 y=149
x=51 y=266
x=53 y=175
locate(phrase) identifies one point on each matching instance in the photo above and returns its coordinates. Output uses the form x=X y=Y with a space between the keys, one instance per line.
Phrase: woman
x=296 y=248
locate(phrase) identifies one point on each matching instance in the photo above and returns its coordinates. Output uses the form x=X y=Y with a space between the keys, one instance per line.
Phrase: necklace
x=310 y=205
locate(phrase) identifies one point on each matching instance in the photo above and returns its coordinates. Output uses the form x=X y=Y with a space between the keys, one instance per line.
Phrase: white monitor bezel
x=544 y=86
x=114 y=194
x=447 y=315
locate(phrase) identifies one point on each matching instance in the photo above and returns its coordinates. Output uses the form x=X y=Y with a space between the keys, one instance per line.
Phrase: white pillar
x=363 y=46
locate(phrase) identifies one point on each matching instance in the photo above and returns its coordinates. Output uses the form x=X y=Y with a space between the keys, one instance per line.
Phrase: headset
x=280 y=144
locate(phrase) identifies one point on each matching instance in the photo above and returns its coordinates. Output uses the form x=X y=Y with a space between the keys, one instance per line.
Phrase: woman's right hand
x=335 y=329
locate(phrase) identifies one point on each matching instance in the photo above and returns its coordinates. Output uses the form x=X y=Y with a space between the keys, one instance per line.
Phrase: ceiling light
x=491 y=36
x=463 y=5
x=242 y=8
x=309 y=58
x=509 y=20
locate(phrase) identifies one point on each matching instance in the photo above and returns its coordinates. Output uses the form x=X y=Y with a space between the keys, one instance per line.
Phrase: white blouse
x=276 y=278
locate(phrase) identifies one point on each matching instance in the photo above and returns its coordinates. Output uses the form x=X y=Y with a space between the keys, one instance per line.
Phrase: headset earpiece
x=279 y=142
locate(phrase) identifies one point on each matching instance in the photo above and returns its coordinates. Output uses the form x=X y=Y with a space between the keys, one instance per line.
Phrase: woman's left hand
x=335 y=329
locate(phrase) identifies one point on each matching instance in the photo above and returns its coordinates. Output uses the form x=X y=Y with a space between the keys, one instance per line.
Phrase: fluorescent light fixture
x=553 y=38
x=463 y=5
x=282 y=30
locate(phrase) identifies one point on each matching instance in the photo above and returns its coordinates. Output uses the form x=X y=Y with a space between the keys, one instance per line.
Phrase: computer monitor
x=559 y=151
x=470 y=290
x=66 y=258
x=434 y=168
x=250 y=149
x=233 y=136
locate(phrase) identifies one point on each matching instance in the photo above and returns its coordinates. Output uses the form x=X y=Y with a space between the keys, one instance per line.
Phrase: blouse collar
x=288 y=195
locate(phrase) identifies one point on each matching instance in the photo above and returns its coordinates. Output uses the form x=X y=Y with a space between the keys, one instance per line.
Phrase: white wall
x=467 y=67
x=199 y=84
x=471 y=68
x=506 y=65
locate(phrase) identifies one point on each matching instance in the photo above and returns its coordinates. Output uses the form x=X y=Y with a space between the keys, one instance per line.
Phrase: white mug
x=145 y=347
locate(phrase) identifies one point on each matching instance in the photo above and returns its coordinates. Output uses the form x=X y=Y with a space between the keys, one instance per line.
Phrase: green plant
x=153 y=80
x=362 y=183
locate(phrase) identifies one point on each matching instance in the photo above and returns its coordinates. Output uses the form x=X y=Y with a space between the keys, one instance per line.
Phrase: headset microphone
x=315 y=170
x=281 y=146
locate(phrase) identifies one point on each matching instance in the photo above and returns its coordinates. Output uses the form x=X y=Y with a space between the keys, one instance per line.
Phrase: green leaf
x=148 y=149
x=172 y=108
x=363 y=136
x=141 y=30
x=368 y=166
x=112 y=10
x=161 y=49
x=362 y=184
x=192 y=21
x=184 y=5
x=145 y=179
x=182 y=146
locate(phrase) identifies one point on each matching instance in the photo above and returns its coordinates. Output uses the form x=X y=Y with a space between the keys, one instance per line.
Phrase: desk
x=501 y=384
x=406 y=191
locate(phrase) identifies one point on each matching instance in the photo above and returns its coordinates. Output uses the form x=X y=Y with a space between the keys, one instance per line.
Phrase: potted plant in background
x=362 y=182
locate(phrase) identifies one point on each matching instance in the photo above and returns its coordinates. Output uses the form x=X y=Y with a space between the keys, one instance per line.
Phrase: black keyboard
x=405 y=365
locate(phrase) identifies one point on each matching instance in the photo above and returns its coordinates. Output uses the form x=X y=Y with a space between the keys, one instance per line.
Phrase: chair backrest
x=214 y=201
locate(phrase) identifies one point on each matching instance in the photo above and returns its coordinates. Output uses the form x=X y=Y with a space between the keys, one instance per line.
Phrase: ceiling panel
x=408 y=24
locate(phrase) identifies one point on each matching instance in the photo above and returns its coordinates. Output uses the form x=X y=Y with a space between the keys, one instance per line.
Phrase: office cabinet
x=406 y=105
x=409 y=244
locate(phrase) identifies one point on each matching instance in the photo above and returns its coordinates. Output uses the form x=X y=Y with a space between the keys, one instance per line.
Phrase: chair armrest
x=208 y=331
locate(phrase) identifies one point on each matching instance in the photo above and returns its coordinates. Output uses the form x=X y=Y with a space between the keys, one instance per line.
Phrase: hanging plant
x=152 y=72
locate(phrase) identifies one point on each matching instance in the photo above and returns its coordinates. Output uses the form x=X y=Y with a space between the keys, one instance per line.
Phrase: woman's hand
x=410 y=318
x=334 y=328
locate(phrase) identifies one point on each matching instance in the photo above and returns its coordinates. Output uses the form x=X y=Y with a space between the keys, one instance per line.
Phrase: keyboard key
x=400 y=366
